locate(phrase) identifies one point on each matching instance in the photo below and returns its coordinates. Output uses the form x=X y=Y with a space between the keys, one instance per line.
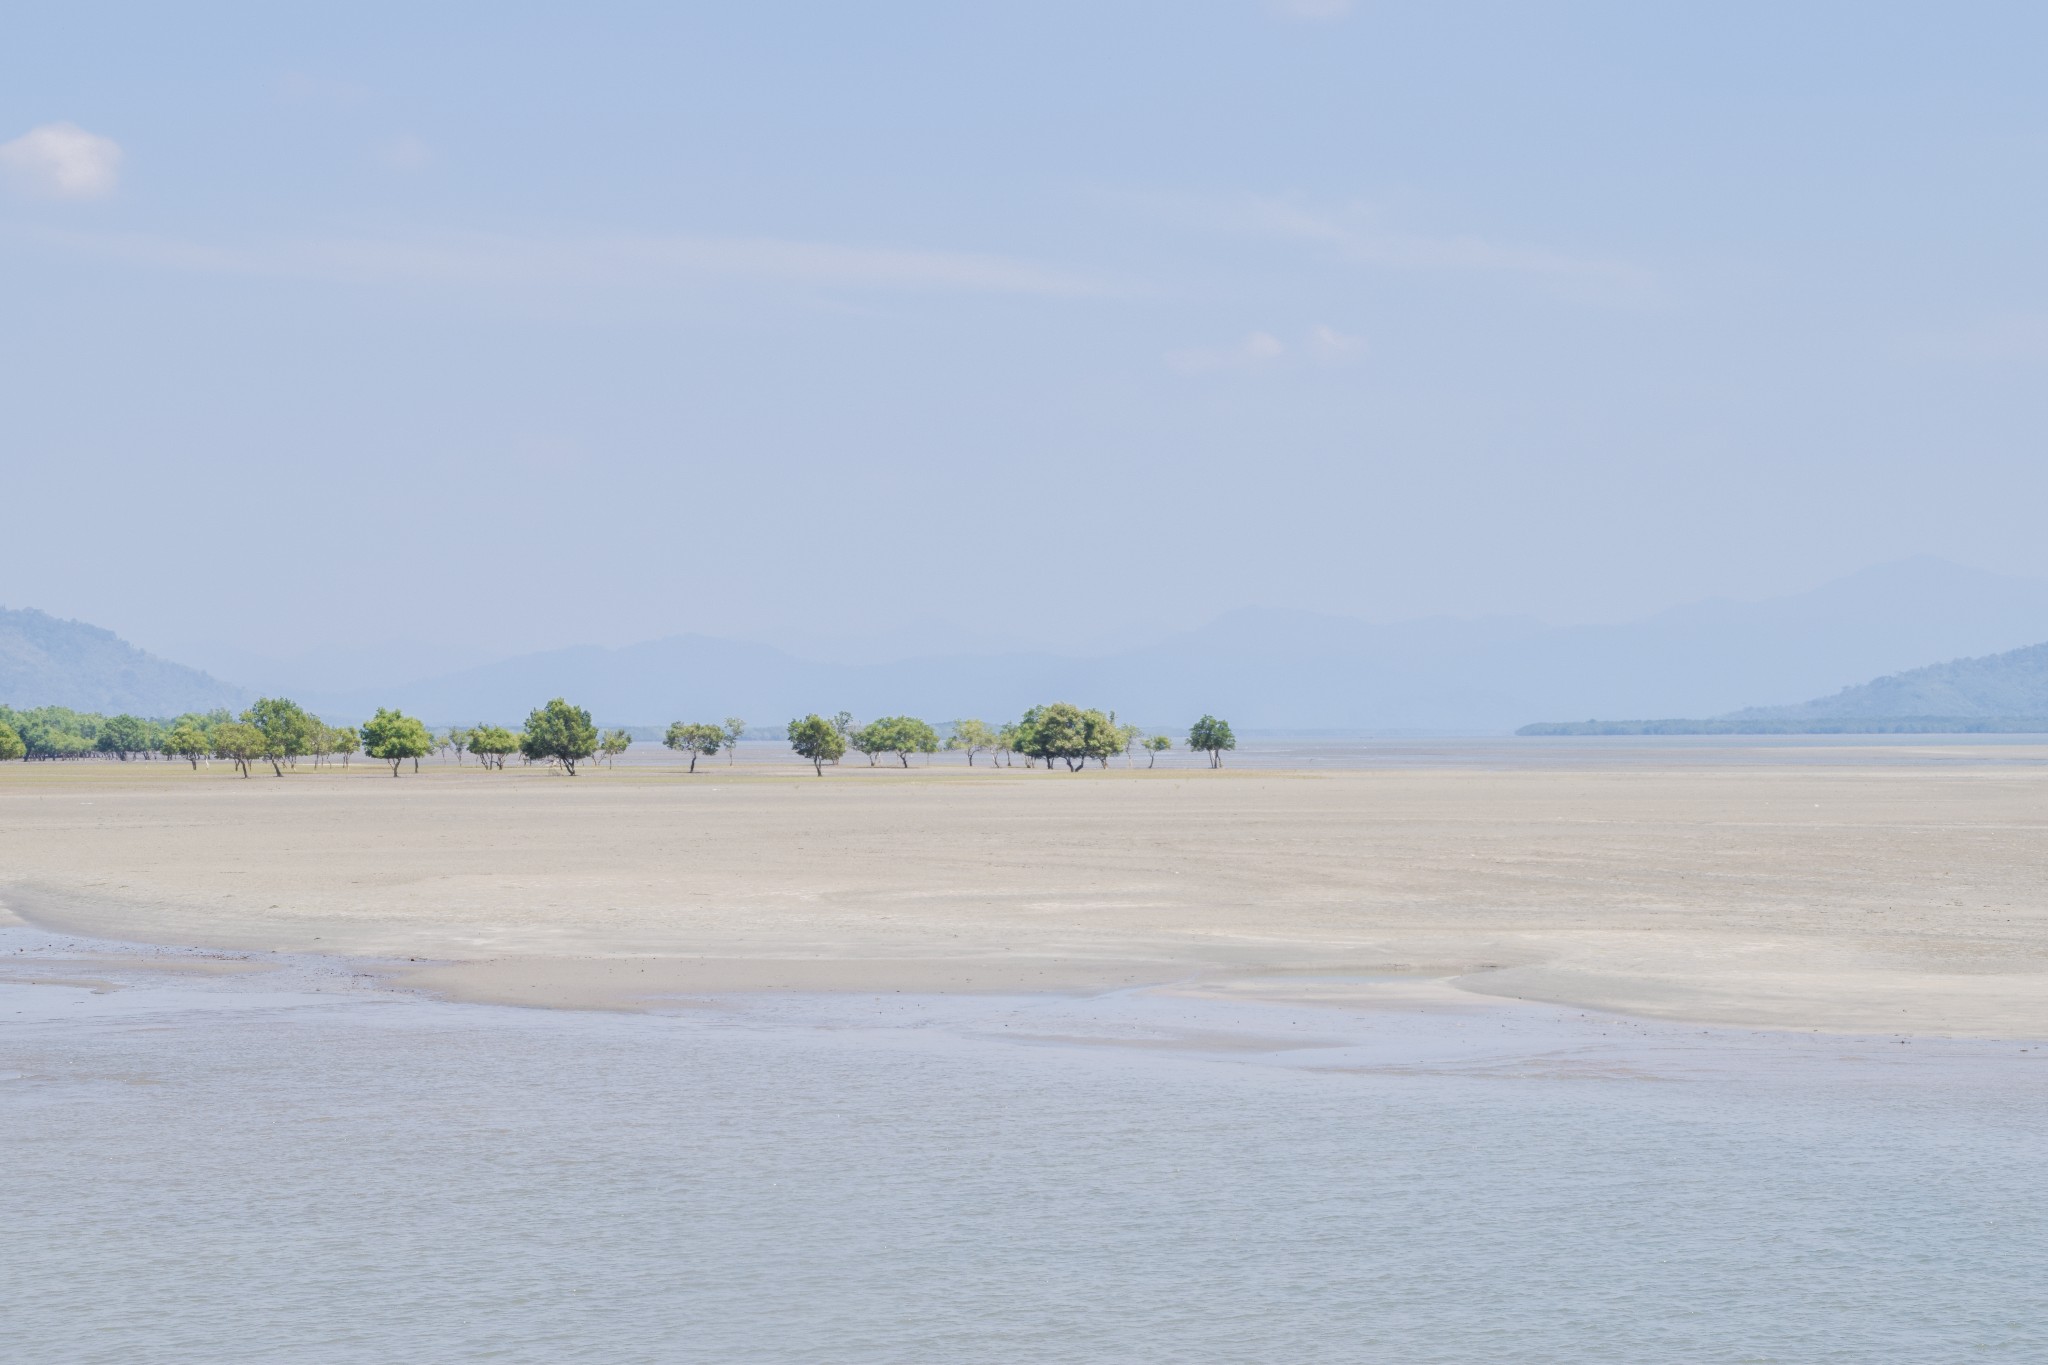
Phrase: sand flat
x=1884 y=896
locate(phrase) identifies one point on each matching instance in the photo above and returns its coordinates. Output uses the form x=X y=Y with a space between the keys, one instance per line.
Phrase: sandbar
x=1879 y=897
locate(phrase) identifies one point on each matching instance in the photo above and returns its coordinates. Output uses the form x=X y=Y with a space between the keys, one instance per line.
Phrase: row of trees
x=279 y=732
x=49 y=732
x=1056 y=733
x=705 y=740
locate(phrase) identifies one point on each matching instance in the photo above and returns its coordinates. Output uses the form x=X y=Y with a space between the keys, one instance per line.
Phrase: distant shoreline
x=1877 y=725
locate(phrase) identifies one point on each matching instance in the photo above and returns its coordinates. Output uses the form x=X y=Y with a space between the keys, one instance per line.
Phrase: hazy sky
x=497 y=326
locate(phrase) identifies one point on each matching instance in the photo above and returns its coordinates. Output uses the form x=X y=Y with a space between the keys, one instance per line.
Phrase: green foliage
x=973 y=736
x=734 y=729
x=1156 y=745
x=53 y=731
x=1063 y=732
x=124 y=735
x=818 y=739
x=561 y=732
x=1011 y=739
x=613 y=743
x=901 y=736
x=695 y=740
x=202 y=721
x=491 y=743
x=1211 y=736
x=239 y=743
x=187 y=741
x=11 y=746
x=286 y=729
x=857 y=740
x=342 y=741
x=394 y=737
x=458 y=740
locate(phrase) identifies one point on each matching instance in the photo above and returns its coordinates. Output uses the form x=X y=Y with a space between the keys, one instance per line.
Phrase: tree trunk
x=1153 y=761
x=394 y=766
x=693 y=761
x=819 y=764
x=905 y=758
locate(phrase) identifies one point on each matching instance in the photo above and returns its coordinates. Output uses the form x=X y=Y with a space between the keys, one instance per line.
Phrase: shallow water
x=292 y=1167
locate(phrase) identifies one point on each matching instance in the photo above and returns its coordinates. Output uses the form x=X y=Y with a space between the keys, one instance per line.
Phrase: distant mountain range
x=1274 y=670
x=1269 y=669
x=48 y=662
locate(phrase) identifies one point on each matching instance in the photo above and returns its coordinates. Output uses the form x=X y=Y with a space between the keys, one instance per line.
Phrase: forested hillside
x=1998 y=685
x=1998 y=693
x=48 y=662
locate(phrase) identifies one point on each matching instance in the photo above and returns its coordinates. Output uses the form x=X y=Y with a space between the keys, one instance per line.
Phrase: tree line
x=278 y=732
x=1056 y=733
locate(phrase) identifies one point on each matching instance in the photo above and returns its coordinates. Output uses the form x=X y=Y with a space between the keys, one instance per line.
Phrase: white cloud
x=1310 y=9
x=61 y=161
x=501 y=260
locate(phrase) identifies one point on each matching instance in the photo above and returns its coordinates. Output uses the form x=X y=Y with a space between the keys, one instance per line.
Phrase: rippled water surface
x=246 y=1172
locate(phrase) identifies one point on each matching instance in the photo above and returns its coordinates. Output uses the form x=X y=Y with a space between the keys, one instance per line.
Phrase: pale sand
x=1879 y=898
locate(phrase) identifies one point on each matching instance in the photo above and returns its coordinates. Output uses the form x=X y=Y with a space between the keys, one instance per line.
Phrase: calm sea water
x=255 y=1171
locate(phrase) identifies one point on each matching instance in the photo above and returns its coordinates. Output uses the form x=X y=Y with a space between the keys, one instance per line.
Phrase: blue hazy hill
x=45 y=661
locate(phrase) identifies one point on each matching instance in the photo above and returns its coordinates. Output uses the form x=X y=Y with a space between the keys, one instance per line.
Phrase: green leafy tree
x=1055 y=733
x=187 y=741
x=1156 y=745
x=973 y=736
x=11 y=746
x=1106 y=739
x=48 y=732
x=859 y=740
x=286 y=729
x=394 y=737
x=458 y=740
x=561 y=732
x=239 y=743
x=491 y=744
x=124 y=736
x=686 y=737
x=901 y=736
x=343 y=741
x=735 y=728
x=613 y=743
x=1064 y=733
x=1211 y=736
x=817 y=739
x=1010 y=741
x=203 y=721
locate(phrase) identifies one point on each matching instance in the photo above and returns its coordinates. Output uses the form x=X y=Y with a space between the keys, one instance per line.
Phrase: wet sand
x=1881 y=896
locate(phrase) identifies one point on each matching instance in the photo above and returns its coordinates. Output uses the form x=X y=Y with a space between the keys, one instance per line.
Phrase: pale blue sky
x=476 y=328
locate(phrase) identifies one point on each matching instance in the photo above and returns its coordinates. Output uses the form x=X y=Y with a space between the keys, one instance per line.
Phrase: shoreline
x=35 y=955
